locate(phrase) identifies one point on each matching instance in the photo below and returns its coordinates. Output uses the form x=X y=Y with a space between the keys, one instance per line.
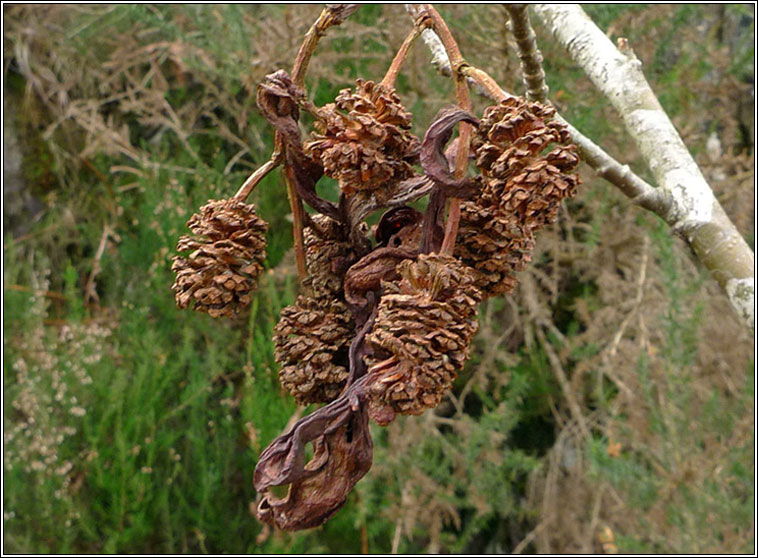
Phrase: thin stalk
x=333 y=14
x=428 y=13
x=439 y=26
x=298 y=218
x=252 y=181
x=461 y=162
x=400 y=56
x=490 y=86
x=296 y=206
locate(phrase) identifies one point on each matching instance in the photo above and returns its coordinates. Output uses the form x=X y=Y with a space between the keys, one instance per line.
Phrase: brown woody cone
x=523 y=189
x=518 y=177
x=364 y=138
x=225 y=257
x=328 y=254
x=311 y=342
x=421 y=337
x=313 y=336
x=495 y=244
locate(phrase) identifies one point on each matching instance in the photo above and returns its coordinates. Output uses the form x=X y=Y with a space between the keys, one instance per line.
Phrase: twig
x=391 y=75
x=364 y=539
x=534 y=79
x=560 y=375
x=631 y=185
x=298 y=217
x=396 y=536
x=252 y=181
x=455 y=57
x=90 y=290
x=566 y=435
x=439 y=57
x=333 y=14
x=520 y=547
x=233 y=161
x=555 y=361
x=531 y=58
x=36 y=292
x=329 y=16
x=485 y=364
x=637 y=299
x=590 y=536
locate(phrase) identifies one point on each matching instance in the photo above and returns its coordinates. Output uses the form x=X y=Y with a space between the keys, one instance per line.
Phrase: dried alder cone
x=421 y=337
x=509 y=146
x=494 y=244
x=364 y=139
x=523 y=188
x=225 y=257
x=311 y=343
x=328 y=254
x=312 y=338
x=381 y=328
x=387 y=333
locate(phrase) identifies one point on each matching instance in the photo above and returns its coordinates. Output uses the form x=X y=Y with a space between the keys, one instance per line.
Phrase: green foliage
x=681 y=437
x=470 y=472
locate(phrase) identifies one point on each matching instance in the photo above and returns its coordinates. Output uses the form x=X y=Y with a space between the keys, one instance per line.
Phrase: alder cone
x=519 y=176
x=328 y=254
x=495 y=244
x=421 y=336
x=363 y=138
x=311 y=343
x=225 y=257
x=523 y=188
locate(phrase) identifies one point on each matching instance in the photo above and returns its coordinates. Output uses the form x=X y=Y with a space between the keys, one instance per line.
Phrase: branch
x=440 y=60
x=391 y=75
x=531 y=57
x=331 y=15
x=621 y=176
x=252 y=181
x=694 y=213
x=534 y=79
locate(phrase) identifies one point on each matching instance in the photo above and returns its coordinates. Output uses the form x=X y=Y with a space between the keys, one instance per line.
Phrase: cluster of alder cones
x=385 y=318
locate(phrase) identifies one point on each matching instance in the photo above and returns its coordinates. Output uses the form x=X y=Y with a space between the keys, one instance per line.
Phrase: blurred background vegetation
x=608 y=405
